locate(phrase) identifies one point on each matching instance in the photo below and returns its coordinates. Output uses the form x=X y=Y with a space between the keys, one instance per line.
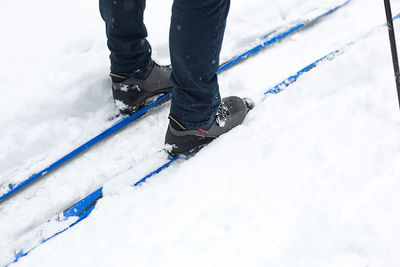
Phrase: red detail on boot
x=201 y=130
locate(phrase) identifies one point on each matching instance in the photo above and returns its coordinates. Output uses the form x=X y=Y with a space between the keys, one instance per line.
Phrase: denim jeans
x=196 y=34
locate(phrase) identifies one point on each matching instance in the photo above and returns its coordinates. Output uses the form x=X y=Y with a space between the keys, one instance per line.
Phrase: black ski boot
x=231 y=113
x=132 y=94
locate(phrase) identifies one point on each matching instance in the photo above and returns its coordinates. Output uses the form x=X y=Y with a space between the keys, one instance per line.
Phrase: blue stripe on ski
x=282 y=85
x=81 y=207
x=124 y=122
x=166 y=165
x=276 y=37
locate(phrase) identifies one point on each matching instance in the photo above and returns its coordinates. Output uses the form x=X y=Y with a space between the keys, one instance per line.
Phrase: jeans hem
x=139 y=75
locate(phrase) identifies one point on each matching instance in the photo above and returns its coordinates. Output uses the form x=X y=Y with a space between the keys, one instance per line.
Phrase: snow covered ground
x=310 y=179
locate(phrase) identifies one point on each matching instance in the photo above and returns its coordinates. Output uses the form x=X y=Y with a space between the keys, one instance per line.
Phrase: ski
x=267 y=40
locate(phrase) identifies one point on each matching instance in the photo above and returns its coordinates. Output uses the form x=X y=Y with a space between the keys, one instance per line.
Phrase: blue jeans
x=196 y=34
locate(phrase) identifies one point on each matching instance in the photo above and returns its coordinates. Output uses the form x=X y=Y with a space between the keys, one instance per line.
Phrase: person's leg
x=126 y=33
x=198 y=115
x=136 y=79
x=196 y=33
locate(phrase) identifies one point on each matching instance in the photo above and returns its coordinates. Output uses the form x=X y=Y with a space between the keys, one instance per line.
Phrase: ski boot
x=231 y=113
x=132 y=94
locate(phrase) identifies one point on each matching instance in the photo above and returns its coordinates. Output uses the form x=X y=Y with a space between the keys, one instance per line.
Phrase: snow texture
x=310 y=179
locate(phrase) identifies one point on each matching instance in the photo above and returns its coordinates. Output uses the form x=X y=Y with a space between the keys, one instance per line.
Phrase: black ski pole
x=393 y=46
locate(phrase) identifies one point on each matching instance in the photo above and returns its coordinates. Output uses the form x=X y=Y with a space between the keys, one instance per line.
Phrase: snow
x=310 y=179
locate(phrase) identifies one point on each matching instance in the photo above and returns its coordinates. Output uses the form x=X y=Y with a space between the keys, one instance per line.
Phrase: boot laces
x=222 y=114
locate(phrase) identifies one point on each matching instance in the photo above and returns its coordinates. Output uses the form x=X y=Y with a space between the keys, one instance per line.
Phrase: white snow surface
x=310 y=179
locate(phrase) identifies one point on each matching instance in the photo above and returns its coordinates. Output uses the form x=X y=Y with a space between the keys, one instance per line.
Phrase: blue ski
x=267 y=40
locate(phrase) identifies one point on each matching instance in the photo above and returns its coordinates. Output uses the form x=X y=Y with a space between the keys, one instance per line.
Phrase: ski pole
x=393 y=46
